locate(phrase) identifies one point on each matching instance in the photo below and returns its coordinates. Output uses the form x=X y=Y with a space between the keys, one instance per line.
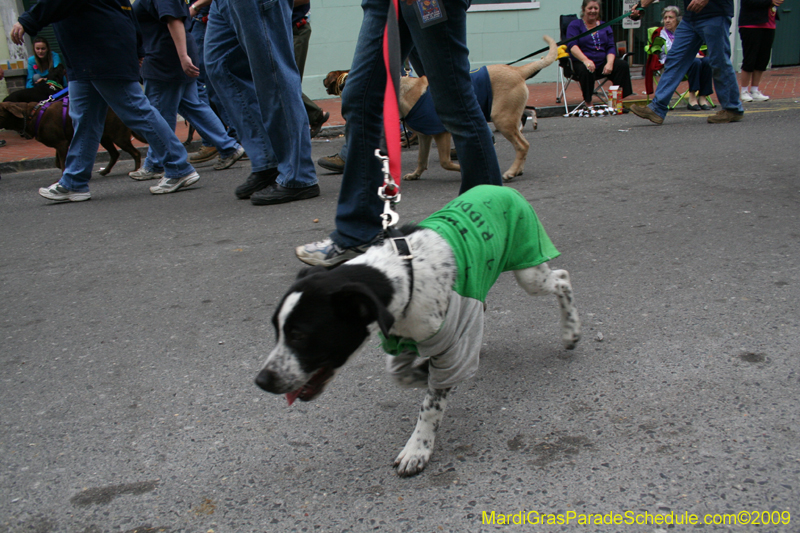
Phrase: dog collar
x=403 y=249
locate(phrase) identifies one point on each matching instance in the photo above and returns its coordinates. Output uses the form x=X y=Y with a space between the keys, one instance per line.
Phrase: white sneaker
x=168 y=185
x=758 y=96
x=745 y=96
x=57 y=193
x=143 y=174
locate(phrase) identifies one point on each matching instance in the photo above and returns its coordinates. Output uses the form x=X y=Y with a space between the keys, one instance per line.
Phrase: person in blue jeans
x=256 y=77
x=103 y=71
x=704 y=21
x=444 y=54
x=169 y=73
x=199 y=13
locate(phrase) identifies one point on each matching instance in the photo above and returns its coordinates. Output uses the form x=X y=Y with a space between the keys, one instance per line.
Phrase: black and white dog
x=430 y=305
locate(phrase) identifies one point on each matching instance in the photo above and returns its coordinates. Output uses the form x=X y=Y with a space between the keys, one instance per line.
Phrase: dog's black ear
x=308 y=271
x=359 y=299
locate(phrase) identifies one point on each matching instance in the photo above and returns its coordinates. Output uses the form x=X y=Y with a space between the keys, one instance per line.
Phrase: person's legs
x=445 y=57
x=164 y=96
x=621 y=75
x=227 y=66
x=205 y=120
x=693 y=76
x=681 y=56
x=706 y=85
x=134 y=109
x=765 y=39
x=301 y=37
x=749 y=53
x=199 y=34
x=267 y=43
x=585 y=80
x=358 y=211
x=87 y=110
x=714 y=32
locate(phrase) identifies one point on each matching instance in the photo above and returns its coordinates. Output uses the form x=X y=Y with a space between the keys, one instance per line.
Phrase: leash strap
x=391 y=112
x=637 y=7
x=42 y=106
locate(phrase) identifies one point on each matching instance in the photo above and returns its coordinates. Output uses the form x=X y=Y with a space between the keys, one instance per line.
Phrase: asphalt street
x=132 y=327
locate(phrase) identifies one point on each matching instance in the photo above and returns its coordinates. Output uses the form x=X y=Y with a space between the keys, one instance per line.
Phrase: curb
x=50 y=162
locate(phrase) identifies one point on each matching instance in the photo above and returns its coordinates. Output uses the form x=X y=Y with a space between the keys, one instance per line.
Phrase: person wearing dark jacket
x=757 y=29
x=98 y=39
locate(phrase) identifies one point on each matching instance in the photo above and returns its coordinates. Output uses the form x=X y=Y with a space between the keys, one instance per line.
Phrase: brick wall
x=15 y=79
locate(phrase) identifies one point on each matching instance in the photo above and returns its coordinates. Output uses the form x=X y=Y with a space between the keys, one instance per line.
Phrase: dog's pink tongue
x=292 y=396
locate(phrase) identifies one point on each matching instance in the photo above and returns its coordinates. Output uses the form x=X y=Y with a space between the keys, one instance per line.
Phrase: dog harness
x=422 y=117
x=491 y=230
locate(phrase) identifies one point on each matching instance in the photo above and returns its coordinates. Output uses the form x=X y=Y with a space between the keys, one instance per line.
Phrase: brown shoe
x=724 y=116
x=334 y=163
x=645 y=112
x=206 y=153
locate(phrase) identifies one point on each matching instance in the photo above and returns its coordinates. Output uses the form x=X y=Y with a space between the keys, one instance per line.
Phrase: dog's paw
x=570 y=339
x=104 y=171
x=413 y=459
x=412 y=176
x=508 y=176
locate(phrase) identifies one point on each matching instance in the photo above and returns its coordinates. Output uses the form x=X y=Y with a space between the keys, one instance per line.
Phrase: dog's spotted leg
x=540 y=280
x=570 y=322
x=419 y=448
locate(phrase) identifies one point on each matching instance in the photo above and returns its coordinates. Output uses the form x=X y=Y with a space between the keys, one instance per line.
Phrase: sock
x=753 y=89
x=745 y=90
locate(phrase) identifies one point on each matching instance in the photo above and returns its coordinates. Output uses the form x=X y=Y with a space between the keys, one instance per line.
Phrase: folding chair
x=653 y=67
x=566 y=72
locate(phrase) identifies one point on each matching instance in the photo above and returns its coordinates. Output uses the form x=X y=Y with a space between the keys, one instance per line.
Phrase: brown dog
x=55 y=130
x=334 y=82
x=509 y=96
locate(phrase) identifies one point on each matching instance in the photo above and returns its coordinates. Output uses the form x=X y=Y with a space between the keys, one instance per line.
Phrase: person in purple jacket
x=595 y=55
x=103 y=71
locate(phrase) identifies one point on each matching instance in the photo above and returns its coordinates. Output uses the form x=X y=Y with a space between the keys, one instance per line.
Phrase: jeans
x=204 y=88
x=171 y=98
x=89 y=101
x=249 y=56
x=689 y=36
x=445 y=58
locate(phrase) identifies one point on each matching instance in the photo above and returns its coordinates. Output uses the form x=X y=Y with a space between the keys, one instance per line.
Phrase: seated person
x=658 y=44
x=40 y=63
x=595 y=56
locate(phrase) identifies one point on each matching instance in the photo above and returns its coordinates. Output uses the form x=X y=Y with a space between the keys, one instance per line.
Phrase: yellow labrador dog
x=506 y=105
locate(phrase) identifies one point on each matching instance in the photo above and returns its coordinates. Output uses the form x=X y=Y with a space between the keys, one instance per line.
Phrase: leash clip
x=389 y=193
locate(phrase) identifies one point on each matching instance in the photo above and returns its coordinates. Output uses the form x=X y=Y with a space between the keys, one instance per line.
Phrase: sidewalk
x=21 y=154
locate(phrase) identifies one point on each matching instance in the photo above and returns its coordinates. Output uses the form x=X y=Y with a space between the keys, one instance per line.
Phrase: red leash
x=390 y=192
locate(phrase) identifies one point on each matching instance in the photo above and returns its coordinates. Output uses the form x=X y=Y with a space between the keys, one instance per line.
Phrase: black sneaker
x=317 y=126
x=276 y=194
x=255 y=182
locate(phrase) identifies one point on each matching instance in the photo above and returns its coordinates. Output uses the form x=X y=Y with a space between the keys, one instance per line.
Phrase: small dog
x=55 y=130
x=427 y=302
x=503 y=102
x=42 y=90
